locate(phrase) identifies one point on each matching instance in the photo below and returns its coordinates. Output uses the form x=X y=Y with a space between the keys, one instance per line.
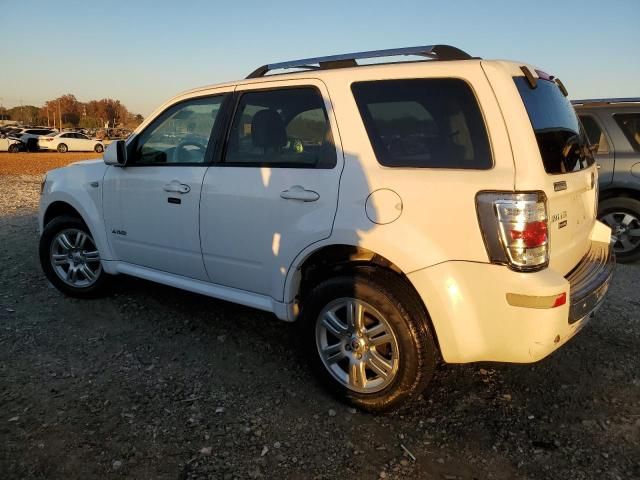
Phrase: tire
x=622 y=214
x=83 y=254
x=14 y=148
x=98 y=148
x=384 y=297
x=62 y=148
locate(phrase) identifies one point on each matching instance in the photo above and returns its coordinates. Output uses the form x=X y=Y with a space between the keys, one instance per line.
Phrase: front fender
x=80 y=188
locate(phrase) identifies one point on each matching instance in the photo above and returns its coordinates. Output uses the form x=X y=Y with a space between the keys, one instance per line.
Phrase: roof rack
x=606 y=101
x=434 y=52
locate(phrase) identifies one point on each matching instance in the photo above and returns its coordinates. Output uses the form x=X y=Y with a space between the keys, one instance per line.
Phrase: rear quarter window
x=424 y=123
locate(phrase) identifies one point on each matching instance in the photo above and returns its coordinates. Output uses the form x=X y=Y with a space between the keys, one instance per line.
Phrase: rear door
x=275 y=191
x=563 y=167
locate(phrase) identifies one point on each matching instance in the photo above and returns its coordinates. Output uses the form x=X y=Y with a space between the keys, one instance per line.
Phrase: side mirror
x=116 y=154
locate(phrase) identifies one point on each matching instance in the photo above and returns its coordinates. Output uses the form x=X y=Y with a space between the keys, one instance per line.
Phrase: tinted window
x=180 y=135
x=630 y=124
x=434 y=123
x=594 y=133
x=66 y=135
x=281 y=128
x=562 y=142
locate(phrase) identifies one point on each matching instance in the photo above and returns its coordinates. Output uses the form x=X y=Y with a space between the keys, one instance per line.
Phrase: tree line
x=68 y=112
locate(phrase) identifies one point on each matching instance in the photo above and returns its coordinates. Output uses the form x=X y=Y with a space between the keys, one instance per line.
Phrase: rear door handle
x=177 y=187
x=300 y=193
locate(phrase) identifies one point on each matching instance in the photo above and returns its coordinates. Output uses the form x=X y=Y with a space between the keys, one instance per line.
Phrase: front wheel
x=70 y=259
x=14 y=148
x=62 y=148
x=369 y=339
x=622 y=215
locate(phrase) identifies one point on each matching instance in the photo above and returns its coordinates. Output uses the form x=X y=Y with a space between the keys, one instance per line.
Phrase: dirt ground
x=151 y=382
x=39 y=162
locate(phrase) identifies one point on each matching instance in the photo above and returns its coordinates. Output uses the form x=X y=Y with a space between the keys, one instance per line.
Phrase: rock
x=276 y=445
x=506 y=397
x=219 y=409
x=10 y=310
x=205 y=450
x=332 y=412
x=13 y=419
x=265 y=450
x=117 y=464
x=440 y=461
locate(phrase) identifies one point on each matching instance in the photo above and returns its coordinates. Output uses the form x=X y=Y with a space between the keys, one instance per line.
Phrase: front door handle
x=177 y=187
x=300 y=193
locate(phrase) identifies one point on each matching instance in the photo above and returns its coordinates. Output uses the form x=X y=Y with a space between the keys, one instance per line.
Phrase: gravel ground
x=152 y=382
x=36 y=163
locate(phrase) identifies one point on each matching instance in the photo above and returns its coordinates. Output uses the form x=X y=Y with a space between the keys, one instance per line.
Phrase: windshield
x=562 y=142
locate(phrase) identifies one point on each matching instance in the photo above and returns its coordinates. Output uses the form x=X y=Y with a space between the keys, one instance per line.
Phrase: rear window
x=428 y=123
x=562 y=142
x=629 y=123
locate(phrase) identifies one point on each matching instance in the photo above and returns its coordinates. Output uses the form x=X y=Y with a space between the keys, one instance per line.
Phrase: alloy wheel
x=357 y=345
x=75 y=258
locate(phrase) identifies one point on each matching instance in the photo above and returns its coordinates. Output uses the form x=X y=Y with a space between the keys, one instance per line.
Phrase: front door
x=275 y=191
x=151 y=205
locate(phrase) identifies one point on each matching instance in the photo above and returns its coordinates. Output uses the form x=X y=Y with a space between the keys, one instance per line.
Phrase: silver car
x=613 y=128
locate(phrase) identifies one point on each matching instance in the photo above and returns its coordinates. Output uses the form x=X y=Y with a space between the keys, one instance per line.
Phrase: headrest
x=267 y=130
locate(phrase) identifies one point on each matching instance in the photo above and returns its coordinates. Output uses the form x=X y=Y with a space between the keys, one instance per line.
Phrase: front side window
x=179 y=136
x=427 y=123
x=596 y=136
x=563 y=144
x=281 y=128
x=629 y=123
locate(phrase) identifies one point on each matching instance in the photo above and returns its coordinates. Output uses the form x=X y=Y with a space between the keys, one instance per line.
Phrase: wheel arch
x=328 y=260
x=614 y=192
x=84 y=208
x=59 y=208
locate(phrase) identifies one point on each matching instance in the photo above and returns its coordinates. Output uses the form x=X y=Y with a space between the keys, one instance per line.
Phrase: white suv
x=400 y=211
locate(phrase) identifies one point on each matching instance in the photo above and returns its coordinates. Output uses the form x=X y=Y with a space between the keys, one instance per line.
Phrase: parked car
x=613 y=128
x=70 y=142
x=385 y=207
x=30 y=136
x=9 y=144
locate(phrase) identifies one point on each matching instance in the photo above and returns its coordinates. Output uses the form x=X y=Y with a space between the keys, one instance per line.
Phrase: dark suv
x=613 y=128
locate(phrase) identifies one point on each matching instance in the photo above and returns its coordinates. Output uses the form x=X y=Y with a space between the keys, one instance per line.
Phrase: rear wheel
x=369 y=339
x=70 y=259
x=622 y=214
x=14 y=148
x=98 y=148
x=62 y=148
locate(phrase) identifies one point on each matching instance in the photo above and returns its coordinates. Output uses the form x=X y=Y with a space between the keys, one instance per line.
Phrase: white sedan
x=11 y=145
x=70 y=142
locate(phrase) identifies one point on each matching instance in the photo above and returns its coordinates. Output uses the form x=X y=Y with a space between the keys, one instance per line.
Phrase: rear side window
x=594 y=133
x=285 y=127
x=562 y=142
x=629 y=123
x=427 y=123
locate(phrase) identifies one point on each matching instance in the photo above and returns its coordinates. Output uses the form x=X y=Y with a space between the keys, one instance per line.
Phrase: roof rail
x=606 y=101
x=434 y=52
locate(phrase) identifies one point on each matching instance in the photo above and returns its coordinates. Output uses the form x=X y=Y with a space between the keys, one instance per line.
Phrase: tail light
x=514 y=227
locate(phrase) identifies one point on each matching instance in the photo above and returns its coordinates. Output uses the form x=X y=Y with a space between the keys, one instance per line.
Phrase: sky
x=144 y=52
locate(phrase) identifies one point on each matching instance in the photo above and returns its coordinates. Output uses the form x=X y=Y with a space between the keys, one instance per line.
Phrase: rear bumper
x=474 y=321
x=589 y=281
